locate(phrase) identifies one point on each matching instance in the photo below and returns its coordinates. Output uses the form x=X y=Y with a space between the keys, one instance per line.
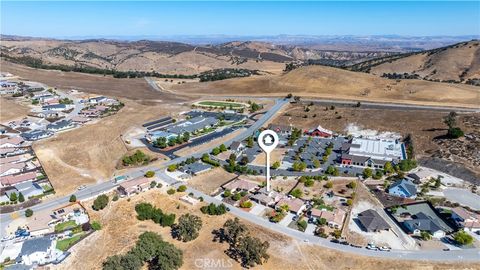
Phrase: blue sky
x=64 y=19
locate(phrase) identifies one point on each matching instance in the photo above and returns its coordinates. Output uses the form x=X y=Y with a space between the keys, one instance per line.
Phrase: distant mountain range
x=389 y=56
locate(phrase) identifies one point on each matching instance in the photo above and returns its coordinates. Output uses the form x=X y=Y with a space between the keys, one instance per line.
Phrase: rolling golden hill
x=328 y=82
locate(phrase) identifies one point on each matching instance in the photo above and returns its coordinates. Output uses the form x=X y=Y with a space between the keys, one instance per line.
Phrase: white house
x=37 y=251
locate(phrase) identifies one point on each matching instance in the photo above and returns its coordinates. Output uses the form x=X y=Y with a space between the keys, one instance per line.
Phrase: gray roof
x=193 y=124
x=423 y=222
x=41 y=244
x=406 y=185
x=18 y=267
x=35 y=134
x=235 y=145
x=59 y=124
x=196 y=167
x=55 y=106
x=372 y=221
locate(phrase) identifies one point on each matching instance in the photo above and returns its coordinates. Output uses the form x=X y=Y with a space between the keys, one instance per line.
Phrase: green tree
x=182 y=188
x=73 y=198
x=332 y=170
x=329 y=184
x=215 y=151
x=297 y=193
x=252 y=251
x=299 y=166
x=20 y=197
x=463 y=238
x=171 y=191
x=316 y=163
x=352 y=185
x=28 y=212
x=13 y=197
x=150 y=174
x=367 y=173
x=188 y=227
x=250 y=142
x=100 y=202
x=96 y=225
x=172 y=167
x=276 y=165
x=388 y=168
x=223 y=148
x=233 y=231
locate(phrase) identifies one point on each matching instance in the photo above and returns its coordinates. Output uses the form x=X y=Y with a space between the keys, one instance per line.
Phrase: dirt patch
x=91 y=153
x=11 y=110
x=210 y=181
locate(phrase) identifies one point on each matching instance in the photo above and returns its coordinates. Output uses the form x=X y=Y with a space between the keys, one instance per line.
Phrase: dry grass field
x=136 y=89
x=459 y=62
x=328 y=82
x=11 y=110
x=91 y=153
x=210 y=181
x=120 y=232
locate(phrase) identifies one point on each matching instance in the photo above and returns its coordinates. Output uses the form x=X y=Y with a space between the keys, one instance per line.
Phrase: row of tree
x=146 y=211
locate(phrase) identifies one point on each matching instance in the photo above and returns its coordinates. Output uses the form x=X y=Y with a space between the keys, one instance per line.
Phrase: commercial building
x=372 y=152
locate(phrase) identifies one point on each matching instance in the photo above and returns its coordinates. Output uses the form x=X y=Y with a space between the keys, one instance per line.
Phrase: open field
x=11 y=110
x=210 y=181
x=424 y=126
x=327 y=82
x=102 y=85
x=91 y=153
x=120 y=232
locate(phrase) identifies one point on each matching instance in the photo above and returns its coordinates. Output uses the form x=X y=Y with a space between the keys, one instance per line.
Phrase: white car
x=384 y=248
x=82 y=187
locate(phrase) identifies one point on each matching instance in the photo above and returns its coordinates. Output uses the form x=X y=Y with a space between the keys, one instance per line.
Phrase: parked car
x=384 y=248
x=82 y=187
x=344 y=243
x=335 y=241
x=355 y=246
x=295 y=218
x=372 y=246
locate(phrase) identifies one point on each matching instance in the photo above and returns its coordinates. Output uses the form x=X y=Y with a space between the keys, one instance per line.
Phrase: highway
x=465 y=255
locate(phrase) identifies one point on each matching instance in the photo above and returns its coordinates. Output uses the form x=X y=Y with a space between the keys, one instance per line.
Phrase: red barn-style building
x=320 y=132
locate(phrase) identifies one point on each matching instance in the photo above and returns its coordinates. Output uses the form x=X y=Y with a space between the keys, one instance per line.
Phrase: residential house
x=403 y=188
x=29 y=189
x=80 y=119
x=134 y=186
x=281 y=129
x=48 y=114
x=72 y=211
x=295 y=205
x=5 y=152
x=55 y=107
x=10 y=180
x=37 y=134
x=240 y=185
x=37 y=251
x=12 y=168
x=237 y=147
x=60 y=125
x=266 y=198
x=465 y=219
x=14 y=159
x=97 y=100
x=422 y=175
x=11 y=142
x=195 y=168
x=421 y=222
x=334 y=218
x=372 y=221
x=319 y=131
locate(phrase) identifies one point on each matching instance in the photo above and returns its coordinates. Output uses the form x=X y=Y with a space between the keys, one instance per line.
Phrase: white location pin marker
x=268 y=140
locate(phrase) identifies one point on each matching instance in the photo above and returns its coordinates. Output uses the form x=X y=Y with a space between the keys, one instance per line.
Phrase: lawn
x=67 y=243
x=221 y=104
x=65 y=225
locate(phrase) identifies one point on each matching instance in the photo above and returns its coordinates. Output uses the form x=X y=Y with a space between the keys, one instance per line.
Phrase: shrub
x=367 y=173
x=329 y=184
x=227 y=193
x=182 y=188
x=100 y=202
x=213 y=210
x=172 y=167
x=171 y=191
x=455 y=133
x=150 y=174
x=96 y=225
x=302 y=224
x=297 y=193
x=246 y=204
x=463 y=238
x=28 y=212
x=73 y=198
x=115 y=198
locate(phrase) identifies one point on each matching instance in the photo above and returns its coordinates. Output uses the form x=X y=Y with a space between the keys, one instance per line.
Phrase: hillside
x=328 y=82
x=168 y=57
x=456 y=63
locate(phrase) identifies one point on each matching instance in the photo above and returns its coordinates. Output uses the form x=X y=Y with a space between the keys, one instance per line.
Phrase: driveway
x=286 y=220
x=310 y=229
x=257 y=209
